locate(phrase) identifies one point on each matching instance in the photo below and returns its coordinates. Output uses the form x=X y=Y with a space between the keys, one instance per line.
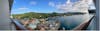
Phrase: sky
x=43 y=6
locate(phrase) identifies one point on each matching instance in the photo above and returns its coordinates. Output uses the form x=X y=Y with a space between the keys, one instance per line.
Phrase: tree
x=54 y=14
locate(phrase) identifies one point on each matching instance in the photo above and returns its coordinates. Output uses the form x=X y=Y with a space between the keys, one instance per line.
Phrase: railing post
x=96 y=2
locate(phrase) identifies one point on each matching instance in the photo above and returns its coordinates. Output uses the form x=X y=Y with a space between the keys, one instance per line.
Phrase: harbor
x=55 y=23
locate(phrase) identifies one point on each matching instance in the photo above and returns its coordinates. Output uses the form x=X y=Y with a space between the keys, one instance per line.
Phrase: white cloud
x=66 y=6
x=91 y=5
x=32 y=3
x=23 y=8
x=51 y=4
x=79 y=6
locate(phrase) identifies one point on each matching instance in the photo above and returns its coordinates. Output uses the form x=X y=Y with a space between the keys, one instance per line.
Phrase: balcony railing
x=18 y=25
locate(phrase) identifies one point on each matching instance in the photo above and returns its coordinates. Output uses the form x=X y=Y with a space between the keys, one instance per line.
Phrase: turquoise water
x=70 y=22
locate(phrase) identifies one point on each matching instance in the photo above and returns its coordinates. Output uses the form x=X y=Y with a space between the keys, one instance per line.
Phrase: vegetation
x=92 y=11
x=39 y=15
x=33 y=15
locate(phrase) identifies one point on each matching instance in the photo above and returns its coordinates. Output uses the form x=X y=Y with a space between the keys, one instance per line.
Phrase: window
x=53 y=14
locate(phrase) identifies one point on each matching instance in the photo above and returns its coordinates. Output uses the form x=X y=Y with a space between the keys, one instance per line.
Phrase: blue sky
x=40 y=6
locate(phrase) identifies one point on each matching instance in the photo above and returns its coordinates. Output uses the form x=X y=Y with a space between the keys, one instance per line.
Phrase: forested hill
x=33 y=15
x=41 y=15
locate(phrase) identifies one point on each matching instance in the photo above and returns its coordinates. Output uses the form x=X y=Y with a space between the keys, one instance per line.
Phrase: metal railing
x=18 y=25
x=85 y=25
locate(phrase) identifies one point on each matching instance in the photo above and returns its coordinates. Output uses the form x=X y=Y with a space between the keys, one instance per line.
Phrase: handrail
x=87 y=24
x=84 y=26
x=18 y=25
